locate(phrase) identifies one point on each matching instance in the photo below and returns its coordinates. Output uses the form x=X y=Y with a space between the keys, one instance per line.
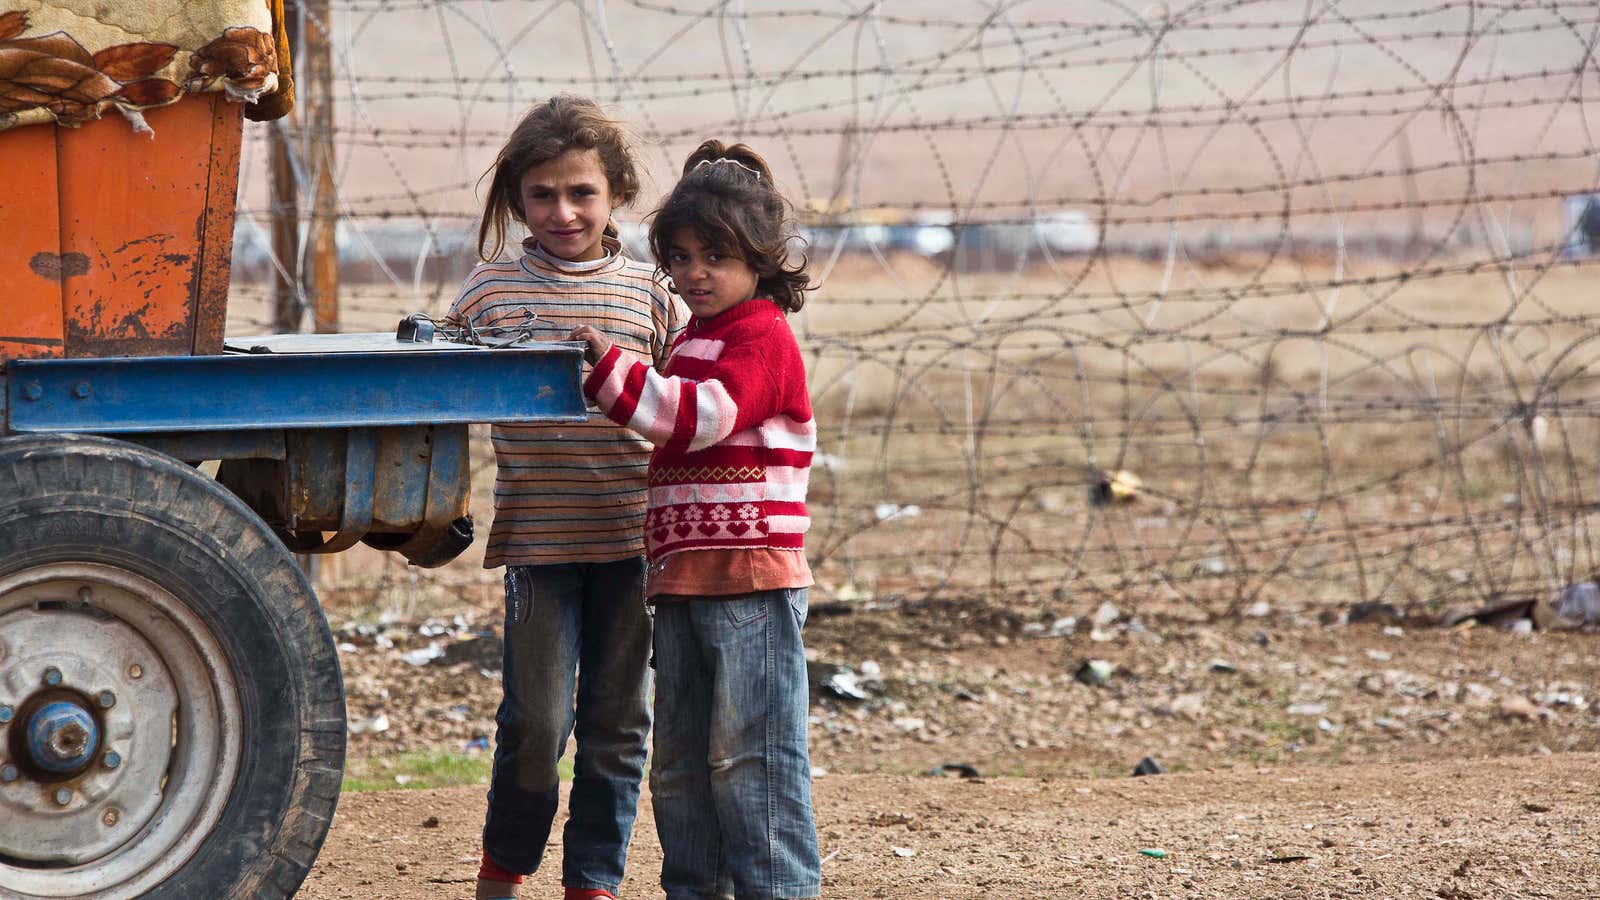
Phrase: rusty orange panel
x=216 y=256
x=133 y=208
x=31 y=264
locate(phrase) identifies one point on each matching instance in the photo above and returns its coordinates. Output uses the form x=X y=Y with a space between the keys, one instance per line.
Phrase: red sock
x=488 y=871
x=573 y=893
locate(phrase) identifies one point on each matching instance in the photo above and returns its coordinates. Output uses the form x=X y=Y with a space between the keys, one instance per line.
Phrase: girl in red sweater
x=733 y=433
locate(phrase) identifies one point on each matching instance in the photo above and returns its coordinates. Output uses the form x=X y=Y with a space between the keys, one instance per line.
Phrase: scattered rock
x=423 y=656
x=374 y=724
x=482 y=651
x=1577 y=606
x=903 y=852
x=1222 y=667
x=1114 y=487
x=1063 y=626
x=430 y=822
x=1148 y=766
x=890 y=820
x=1502 y=613
x=835 y=681
x=962 y=770
x=1094 y=672
x=1107 y=614
x=886 y=512
x=1516 y=706
x=1382 y=613
x=1191 y=706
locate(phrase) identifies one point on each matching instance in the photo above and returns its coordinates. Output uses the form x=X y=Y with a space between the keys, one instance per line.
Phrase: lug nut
x=6 y=713
x=106 y=699
x=112 y=759
x=63 y=796
x=110 y=817
x=52 y=676
x=9 y=773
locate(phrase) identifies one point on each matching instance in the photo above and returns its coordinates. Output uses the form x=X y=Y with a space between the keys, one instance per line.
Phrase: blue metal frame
x=535 y=382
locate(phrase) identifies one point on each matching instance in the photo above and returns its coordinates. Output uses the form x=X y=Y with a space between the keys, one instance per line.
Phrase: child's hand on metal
x=598 y=343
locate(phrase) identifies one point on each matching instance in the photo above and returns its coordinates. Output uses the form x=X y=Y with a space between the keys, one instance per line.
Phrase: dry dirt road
x=1505 y=827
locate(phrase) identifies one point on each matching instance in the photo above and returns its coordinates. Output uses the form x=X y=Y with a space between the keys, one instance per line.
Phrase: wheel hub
x=89 y=744
x=62 y=737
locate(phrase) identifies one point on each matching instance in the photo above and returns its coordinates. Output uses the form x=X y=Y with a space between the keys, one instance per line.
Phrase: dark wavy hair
x=562 y=123
x=726 y=198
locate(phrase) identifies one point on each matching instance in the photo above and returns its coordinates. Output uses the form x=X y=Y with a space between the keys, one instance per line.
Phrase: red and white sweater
x=731 y=422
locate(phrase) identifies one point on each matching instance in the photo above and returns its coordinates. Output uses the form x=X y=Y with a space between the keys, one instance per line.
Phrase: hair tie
x=725 y=159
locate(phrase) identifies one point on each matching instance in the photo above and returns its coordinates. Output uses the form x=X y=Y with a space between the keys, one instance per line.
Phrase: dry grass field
x=1411 y=443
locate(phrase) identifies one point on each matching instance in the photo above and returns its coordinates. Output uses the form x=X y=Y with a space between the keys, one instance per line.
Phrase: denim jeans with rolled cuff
x=731 y=776
x=577 y=647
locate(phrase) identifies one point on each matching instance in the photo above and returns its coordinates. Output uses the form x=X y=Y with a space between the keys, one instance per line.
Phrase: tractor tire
x=171 y=709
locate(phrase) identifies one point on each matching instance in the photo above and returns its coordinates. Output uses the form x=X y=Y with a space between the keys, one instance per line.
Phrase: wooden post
x=313 y=140
x=288 y=300
x=317 y=54
x=285 y=204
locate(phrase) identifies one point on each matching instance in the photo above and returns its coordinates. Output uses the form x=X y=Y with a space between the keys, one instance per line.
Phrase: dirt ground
x=901 y=690
x=1503 y=827
x=1305 y=758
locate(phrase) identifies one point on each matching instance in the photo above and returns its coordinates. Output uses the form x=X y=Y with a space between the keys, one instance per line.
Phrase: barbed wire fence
x=1202 y=308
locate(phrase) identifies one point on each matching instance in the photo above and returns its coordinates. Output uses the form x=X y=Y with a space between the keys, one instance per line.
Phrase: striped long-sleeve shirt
x=731 y=419
x=571 y=492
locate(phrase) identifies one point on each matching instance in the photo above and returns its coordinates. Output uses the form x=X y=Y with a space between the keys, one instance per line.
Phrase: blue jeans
x=731 y=778
x=573 y=630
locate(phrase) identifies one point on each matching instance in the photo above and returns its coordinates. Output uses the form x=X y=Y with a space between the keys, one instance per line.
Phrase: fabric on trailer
x=70 y=62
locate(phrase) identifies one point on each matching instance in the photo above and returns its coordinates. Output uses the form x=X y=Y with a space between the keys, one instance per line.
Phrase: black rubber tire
x=88 y=499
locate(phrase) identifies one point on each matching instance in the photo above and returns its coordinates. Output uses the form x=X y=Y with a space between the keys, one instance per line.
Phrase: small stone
x=1516 y=706
x=1383 y=613
x=903 y=852
x=1148 y=766
x=430 y=822
x=1094 y=672
x=1190 y=706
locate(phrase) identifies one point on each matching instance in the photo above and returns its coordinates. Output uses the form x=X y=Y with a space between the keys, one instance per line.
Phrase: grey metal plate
x=354 y=343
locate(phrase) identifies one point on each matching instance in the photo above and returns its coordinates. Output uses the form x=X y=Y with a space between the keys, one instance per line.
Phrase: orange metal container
x=116 y=243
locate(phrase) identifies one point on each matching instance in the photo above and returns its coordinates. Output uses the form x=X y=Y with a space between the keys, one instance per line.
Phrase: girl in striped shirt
x=569 y=508
x=731 y=422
